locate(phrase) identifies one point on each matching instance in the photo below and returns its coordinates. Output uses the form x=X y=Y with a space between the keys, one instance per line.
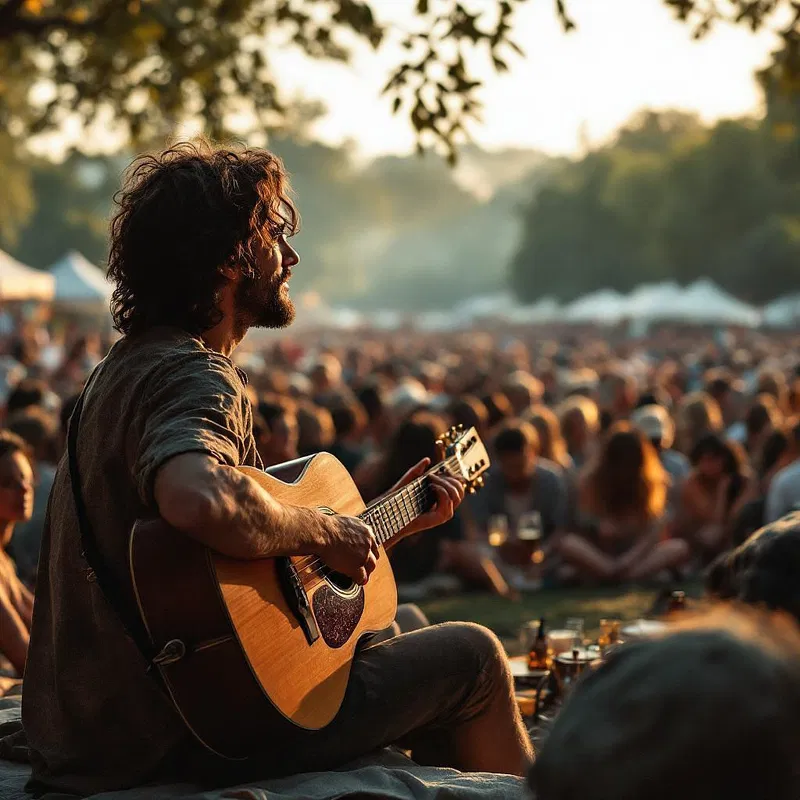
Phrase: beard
x=264 y=302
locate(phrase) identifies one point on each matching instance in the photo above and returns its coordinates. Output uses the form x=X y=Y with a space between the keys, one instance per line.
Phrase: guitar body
x=246 y=640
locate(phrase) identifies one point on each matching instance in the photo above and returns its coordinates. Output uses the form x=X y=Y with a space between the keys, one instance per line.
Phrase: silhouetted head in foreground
x=709 y=711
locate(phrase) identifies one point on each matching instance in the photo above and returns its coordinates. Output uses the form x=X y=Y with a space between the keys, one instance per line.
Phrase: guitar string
x=416 y=483
x=420 y=487
x=325 y=570
x=418 y=491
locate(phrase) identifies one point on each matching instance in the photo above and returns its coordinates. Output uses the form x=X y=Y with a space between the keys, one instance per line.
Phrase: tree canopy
x=670 y=200
x=141 y=66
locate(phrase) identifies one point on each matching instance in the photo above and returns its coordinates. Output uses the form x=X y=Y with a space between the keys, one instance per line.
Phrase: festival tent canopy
x=705 y=302
x=605 y=306
x=18 y=282
x=783 y=312
x=80 y=284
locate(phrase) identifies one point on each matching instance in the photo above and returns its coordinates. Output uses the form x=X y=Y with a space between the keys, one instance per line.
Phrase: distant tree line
x=670 y=199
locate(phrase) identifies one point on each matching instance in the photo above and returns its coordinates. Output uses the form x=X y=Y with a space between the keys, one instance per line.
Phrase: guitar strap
x=97 y=571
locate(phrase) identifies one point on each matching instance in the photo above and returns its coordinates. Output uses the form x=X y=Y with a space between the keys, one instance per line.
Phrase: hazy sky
x=625 y=55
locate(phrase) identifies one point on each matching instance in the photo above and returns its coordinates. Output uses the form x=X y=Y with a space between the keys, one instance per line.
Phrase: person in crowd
x=580 y=425
x=522 y=482
x=523 y=390
x=774 y=383
x=709 y=710
x=657 y=426
x=761 y=418
x=32 y=392
x=784 y=491
x=776 y=453
x=279 y=414
x=552 y=445
x=698 y=415
x=350 y=423
x=326 y=379
x=372 y=397
x=726 y=392
x=499 y=409
x=39 y=430
x=617 y=393
x=316 y=431
x=623 y=500
x=16 y=505
x=469 y=412
x=711 y=496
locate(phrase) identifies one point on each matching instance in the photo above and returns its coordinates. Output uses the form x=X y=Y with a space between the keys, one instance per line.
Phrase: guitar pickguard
x=337 y=616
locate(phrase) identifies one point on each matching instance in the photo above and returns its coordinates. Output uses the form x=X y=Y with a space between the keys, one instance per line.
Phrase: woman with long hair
x=712 y=495
x=622 y=498
x=551 y=443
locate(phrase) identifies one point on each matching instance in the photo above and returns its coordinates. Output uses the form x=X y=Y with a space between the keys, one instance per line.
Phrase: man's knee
x=484 y=649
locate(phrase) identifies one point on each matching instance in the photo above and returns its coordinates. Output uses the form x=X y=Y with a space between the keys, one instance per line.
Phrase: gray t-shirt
x=94 y=719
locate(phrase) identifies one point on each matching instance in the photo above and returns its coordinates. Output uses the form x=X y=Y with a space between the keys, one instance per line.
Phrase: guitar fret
x=406 y=508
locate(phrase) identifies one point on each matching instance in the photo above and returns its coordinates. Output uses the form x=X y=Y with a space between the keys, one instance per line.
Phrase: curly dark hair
x=183 y=215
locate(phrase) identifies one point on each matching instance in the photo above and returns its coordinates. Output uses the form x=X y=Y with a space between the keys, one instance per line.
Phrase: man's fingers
x=453 y=486
x=444 y=503
x=375 y=548
x=413 y=473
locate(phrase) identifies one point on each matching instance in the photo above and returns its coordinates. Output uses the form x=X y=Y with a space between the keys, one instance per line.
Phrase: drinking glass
x=529 y=531
x=498 y=530
x=576 y=624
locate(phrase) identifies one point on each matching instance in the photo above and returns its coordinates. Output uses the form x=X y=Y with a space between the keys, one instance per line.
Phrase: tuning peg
x=460 y=428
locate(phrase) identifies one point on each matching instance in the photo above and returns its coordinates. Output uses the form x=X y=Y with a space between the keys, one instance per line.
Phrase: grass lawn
x=505 y=617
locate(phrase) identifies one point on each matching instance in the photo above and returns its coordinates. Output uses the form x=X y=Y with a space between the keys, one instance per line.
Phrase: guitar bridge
x=296 y=597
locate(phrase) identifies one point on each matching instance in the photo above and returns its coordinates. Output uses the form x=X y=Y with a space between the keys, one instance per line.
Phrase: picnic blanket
x=388 y=775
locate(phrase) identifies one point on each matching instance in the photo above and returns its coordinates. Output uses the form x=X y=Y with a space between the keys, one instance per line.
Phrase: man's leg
x=445 y=692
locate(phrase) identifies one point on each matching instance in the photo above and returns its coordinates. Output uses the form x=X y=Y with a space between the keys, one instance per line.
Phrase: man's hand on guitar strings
x=351 y=549
x=449 y=492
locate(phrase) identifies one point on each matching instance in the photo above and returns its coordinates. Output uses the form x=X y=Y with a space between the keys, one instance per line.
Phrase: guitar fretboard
x=392 y=514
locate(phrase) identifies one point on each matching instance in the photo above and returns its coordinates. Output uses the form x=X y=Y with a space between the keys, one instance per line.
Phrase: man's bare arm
x=229 y=512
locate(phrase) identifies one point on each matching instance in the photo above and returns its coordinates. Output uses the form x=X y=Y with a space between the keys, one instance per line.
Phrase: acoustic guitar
x=239 y=641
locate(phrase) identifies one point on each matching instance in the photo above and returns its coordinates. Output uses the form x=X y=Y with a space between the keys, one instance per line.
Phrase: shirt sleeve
x=193 y=405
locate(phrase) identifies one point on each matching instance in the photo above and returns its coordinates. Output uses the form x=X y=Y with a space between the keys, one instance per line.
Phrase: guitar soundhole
x=337 y=616
x=341 y=582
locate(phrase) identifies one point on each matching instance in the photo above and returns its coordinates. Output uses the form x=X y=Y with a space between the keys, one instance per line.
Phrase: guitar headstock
x=465 y=455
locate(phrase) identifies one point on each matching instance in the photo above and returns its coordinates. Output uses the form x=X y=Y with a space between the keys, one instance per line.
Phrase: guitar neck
x=397 y=511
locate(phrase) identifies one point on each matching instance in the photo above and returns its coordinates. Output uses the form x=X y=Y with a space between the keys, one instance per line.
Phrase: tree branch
x=11 y=23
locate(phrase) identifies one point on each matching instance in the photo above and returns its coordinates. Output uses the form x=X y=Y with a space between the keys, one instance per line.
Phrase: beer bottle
x=677 y=602
x=537 y=658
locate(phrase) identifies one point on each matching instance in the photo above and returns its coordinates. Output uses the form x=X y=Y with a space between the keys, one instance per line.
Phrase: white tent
x=18 y=282
x=605 y=306
x=783 y=312
x=705 y=302
x=80 y=285
x=652 y=301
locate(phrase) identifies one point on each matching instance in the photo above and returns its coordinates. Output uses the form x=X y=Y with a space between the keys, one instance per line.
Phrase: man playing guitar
x=199 y=254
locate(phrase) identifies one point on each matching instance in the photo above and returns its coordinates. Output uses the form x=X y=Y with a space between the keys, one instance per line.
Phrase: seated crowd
x=610 y=463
